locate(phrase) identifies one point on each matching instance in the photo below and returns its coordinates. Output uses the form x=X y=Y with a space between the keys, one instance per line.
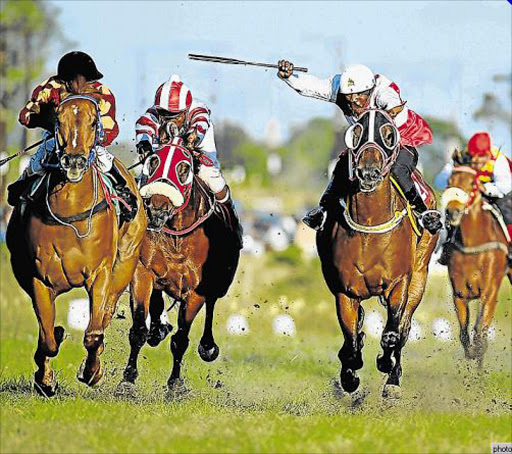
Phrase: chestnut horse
x=188 y=253
x=369 y=248
x=478 y=256
x=72 y=239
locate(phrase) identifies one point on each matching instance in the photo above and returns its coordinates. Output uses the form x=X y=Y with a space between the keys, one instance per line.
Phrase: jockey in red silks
x=190 y=120
x=39 y=112
x=354 y=91
x=494 y=171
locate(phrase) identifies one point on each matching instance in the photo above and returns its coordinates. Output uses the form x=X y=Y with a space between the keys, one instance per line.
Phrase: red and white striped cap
x=173 y=95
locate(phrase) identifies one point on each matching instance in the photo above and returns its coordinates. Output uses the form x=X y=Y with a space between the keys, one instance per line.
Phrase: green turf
x=265 y=393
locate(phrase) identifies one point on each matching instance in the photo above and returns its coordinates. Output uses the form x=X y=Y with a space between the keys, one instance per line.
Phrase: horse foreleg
x=350 y=316
x=462 y=310
x=489 y=300
x=50 y=338
x=179 y=341
x=158 y=331
x=391 y=342
x=208 y=349
x=90 y=371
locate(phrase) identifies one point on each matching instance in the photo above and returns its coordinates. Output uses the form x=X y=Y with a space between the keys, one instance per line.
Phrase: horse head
x=170 y=173
x=373 y=143
x=461 y=194
x=77 y=131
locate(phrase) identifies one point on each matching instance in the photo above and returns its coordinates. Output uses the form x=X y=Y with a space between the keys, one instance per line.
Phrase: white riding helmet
x=355 y=79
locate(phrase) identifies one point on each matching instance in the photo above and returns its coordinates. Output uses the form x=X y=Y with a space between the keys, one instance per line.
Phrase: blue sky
x=442 y=54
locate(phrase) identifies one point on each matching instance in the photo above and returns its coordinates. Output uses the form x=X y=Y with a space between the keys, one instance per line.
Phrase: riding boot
x=227 y=211
x=22 y=190
x=128 y=210
x=447 y=246
x=429 y=219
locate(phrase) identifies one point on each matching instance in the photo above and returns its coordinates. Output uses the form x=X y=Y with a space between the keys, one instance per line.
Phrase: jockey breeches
x=403 y=168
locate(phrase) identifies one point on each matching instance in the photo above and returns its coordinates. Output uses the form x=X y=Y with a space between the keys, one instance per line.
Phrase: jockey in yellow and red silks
x=354 y=91
x=189 y=120
x=494 y=172
x=39 y=112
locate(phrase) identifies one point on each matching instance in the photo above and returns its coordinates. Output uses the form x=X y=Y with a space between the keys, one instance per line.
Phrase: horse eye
x=64 y=161
x=81 y=162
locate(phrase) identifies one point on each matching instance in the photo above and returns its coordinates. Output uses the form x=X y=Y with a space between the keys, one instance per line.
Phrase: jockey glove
x=144 y=147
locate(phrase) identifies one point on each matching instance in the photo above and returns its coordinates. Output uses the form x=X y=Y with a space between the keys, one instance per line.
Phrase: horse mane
x=80 y=86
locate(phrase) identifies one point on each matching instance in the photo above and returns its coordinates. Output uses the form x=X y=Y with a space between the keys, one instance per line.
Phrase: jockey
x=354 y=91
x=39 y=112
x=494 y=172
x=175 y=113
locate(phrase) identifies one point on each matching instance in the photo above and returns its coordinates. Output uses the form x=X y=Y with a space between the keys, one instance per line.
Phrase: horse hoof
x=392 y=392
x=94 y=380
x=208 y=355
x=46 y=390
x=158 y=334
x=349 y=380
x=385 y=363
x=176 y=389
x=126 y=389
x=58 y=332
x=389 y=340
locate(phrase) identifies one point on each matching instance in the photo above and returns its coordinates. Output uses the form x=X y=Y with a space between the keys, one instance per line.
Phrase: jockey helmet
x=355 y=79
x=173 y=96
x=77 y=63
x=479 y=144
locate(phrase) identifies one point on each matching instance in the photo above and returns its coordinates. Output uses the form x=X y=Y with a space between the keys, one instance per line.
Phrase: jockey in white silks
x=354 y=91
x=183 y=116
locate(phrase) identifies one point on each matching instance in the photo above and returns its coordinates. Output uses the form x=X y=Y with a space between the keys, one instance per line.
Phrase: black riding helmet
x=74 y=63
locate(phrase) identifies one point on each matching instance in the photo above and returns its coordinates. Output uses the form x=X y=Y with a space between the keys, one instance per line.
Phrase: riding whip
x=15 y=155
x=233 y=61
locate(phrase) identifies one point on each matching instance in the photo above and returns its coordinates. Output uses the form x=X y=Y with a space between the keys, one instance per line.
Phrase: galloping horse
x=72 y=239
x=367 y=248
x=478 y=256
x=187 y=253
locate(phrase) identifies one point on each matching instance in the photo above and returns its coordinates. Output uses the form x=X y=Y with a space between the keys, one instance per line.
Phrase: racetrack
x=266 y=392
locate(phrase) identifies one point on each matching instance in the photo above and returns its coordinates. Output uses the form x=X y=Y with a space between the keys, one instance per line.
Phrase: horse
x=187 y=253
x=477 y=260
x=367 y=248
x=73 y=239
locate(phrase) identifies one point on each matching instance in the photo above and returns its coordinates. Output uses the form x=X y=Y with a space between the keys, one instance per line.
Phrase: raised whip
x=234 y=61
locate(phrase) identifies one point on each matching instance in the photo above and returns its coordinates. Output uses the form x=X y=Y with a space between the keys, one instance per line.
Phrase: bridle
x=459 y=195
x=389 y=154
x=98 y=139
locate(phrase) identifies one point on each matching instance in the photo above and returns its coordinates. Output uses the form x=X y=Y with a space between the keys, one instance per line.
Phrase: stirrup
x=312 y=218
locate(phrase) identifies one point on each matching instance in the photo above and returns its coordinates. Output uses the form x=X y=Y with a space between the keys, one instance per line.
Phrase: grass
x=265 y=393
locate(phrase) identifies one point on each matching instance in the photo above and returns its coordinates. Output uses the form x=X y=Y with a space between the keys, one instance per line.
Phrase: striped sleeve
x=199 y=121
x=146 y=128
x=107 y=107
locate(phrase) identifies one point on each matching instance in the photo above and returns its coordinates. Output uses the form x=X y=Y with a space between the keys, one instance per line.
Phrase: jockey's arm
x=107 y=106
x=146 y=130
x=39 y=110
x=314 y=87
x=199 y=123
x=502 y=183
x=389 y=100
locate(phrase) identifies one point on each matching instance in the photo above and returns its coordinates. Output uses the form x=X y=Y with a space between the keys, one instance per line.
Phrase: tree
x=28 y=30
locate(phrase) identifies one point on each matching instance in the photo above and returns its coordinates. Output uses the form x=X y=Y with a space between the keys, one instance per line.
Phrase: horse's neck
x=478 y=226
x=68 y=199
x=196 y=207
x=375 y=207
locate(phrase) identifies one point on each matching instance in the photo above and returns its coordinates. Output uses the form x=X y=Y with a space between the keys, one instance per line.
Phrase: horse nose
x=368 y=173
